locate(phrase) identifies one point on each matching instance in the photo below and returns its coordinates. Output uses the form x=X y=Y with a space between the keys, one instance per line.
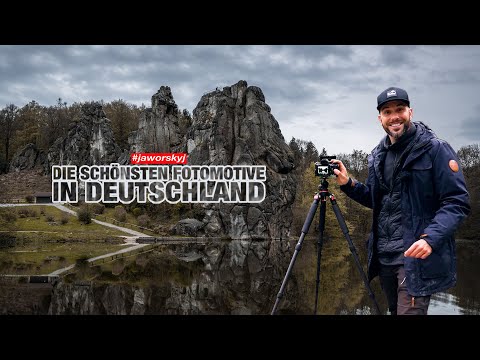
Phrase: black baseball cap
x=392 y=93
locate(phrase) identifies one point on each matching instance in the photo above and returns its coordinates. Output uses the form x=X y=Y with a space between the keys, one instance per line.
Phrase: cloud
x=326 y=94
x=470 y=127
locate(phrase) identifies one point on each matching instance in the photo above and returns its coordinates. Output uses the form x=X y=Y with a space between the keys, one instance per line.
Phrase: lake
x=237 y=277
x=243 y=277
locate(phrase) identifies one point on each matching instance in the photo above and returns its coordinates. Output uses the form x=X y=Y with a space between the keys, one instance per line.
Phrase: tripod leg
x=321 y=229
x=298 y=247
x=344 y=228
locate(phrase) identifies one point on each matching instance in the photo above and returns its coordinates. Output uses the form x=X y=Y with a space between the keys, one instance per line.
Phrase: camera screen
x=322 y=170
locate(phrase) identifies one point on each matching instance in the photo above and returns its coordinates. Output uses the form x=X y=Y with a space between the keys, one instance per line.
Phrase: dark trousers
x=400 y=302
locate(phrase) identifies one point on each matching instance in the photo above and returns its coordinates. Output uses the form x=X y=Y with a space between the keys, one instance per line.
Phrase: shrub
x=84 y=215
x=98 y=208
x=9 y=216
x=24 y=212
x=143 y=220
x=120 y=213
x=64 y=219
x=30 y=199
x=137 y=212
x=50 y=218
x=7 y=240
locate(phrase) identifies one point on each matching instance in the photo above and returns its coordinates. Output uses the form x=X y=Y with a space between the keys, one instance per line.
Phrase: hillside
x=15 y=186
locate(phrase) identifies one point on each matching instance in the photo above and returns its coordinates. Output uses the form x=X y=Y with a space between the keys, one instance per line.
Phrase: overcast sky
x=323 y=94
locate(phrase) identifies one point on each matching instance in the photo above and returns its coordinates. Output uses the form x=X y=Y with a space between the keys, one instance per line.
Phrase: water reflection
x=463 y=299
x=244 y=277
x=342 y=291
x=444 y=304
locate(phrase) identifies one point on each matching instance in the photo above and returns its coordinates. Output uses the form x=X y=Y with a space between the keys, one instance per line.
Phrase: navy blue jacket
x=434 y=201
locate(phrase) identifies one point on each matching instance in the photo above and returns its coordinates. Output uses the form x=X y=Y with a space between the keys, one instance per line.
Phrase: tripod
x=321 y=196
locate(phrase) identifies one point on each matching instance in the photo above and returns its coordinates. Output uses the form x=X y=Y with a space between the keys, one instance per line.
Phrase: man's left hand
x=419 y=250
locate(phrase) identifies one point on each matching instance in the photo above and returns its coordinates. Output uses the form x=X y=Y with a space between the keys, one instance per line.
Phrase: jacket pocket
x=435 y=265
x=424 y=163
x=421 y=188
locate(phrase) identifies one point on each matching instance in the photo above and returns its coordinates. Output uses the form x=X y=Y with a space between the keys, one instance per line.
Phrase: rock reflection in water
x=243 y=277
x=235 y=277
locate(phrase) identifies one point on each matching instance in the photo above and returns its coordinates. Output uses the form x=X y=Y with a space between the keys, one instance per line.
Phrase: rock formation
x=28 y=158
x=88 y=142
x=234 y=126
x=160 y=127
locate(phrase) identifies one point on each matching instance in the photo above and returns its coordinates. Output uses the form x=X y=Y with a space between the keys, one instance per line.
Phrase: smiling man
x=394 y=112
x=418 y=195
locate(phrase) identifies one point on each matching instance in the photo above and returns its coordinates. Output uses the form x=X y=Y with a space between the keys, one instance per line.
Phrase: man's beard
x=397 y=135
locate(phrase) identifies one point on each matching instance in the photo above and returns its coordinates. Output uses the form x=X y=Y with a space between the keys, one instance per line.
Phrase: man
x=417 y=192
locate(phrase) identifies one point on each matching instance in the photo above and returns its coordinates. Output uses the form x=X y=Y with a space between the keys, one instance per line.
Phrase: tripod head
x=323 y=192
x=323 y=185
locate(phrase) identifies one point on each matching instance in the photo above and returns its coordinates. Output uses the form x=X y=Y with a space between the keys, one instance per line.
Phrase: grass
x=42 y=244
x=73 y=227
x=110 y=212
x=109 y=216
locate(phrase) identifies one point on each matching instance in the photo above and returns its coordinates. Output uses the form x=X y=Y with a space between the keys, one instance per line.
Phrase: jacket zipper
x=392 y=180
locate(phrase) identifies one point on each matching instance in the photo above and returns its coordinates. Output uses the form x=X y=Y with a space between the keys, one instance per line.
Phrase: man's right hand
x=342 y=174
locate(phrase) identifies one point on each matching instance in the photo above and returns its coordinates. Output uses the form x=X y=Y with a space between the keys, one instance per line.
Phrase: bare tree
x=8 y=115
x=356 y=163
x=469 y=157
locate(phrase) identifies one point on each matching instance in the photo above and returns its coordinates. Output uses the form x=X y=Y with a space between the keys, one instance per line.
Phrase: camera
x=324 y=168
